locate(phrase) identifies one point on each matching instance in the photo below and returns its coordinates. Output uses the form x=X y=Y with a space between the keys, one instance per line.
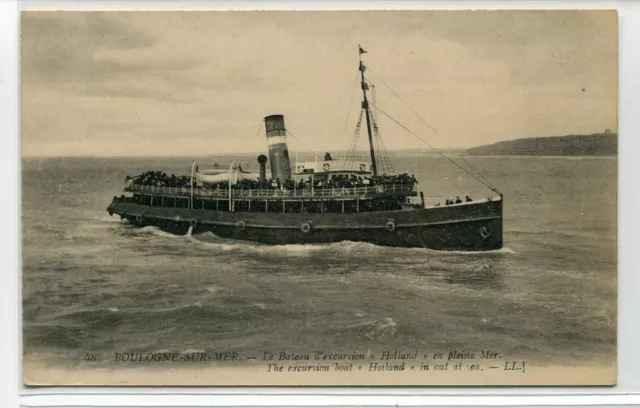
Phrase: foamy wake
x=90 y=227
x=110 y=220
x=211 y=241
x=149 y=231
x=384 y=328
x=494 y=251
x=451 y=267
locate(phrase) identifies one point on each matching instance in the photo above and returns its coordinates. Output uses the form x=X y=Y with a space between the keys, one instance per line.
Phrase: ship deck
x=278 y=194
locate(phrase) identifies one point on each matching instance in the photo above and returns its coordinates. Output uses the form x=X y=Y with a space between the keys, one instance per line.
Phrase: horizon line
x=322 y=151
x=231 y=153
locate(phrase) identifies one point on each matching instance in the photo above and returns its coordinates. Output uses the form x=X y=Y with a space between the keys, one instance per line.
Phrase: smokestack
x=262 y=160
x=278 y=151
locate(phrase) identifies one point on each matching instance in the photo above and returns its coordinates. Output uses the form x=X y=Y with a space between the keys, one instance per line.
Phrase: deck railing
x=284 y=193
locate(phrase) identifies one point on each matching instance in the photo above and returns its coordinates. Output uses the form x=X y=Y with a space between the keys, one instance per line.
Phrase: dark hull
x=473 y=226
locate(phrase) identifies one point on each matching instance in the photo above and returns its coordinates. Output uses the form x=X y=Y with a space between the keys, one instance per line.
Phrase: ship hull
x=464 y=227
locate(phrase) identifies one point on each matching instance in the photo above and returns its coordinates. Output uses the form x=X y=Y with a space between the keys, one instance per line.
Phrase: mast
x=365 y=106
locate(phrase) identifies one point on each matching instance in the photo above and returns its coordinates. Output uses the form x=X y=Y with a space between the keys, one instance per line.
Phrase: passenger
x=447 y=202
x=327 y=156
x=458 y=200
x=468 y=199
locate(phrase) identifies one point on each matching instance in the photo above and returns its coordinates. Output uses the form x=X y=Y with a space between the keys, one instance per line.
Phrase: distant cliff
x=599 y=144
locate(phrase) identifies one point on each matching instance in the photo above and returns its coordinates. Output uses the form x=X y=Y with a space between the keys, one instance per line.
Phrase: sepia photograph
x=319 y=198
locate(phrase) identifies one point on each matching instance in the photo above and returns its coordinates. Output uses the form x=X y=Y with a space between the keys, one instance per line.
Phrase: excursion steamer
x=321 y=201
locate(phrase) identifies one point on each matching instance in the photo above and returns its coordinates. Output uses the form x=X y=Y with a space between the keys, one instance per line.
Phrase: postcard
x=319 y=198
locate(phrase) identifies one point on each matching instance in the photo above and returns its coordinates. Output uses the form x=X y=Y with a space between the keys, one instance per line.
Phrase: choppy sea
x=94 y=284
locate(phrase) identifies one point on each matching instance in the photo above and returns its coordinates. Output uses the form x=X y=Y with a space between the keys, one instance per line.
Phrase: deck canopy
x=231 y=176
x=332 y=166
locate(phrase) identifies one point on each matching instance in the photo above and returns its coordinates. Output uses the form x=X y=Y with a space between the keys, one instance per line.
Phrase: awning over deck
x=332 y=166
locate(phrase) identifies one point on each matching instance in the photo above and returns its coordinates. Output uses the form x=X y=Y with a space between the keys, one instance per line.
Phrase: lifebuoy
x=300 y=168
x=193 y=223
x=306 y=228
x=363 y=167
x=484 y=232
x=240 y=225
x=390 y=226
x=326 y=167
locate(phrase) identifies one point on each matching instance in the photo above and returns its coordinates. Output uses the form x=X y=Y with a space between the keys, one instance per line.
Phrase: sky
x=200 y=83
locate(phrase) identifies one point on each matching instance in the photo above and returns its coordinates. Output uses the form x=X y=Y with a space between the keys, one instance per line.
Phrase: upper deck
x=332 y=167
x=279 y=194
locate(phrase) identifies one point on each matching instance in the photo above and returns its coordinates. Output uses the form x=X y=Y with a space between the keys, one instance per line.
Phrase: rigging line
x=443 y=155
x=352 y=154
x=292 y=135
x=373 y=96
x=346 y=121
x=259 y=127
x=424 y=121
x=383 y=155
x=298 y=139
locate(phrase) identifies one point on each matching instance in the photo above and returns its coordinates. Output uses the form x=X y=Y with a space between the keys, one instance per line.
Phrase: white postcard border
x=626 y=392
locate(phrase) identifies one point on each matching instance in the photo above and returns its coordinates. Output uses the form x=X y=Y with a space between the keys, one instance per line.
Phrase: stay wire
x=488 y=183
x=214 y=159
x=299 y=140
x=438 y=151
x=346 y=121
x=259 y=128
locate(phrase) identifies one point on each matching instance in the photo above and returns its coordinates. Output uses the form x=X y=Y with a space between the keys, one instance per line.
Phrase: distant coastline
x=598 y=144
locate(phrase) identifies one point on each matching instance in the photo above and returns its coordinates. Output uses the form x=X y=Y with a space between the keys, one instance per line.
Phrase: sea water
x=94 y=284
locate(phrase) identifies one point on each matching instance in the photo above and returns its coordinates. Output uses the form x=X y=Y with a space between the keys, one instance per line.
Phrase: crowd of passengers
x=458 y=200
x=336 y=181
x=161 y=179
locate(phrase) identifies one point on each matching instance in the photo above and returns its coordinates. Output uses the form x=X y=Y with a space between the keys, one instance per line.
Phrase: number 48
x=89 y=357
